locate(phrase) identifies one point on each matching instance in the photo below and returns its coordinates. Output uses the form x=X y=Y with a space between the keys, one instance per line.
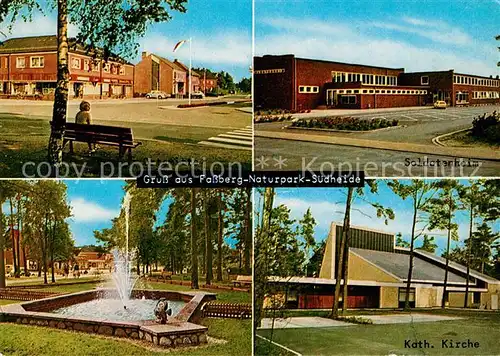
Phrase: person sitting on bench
x=84 y=117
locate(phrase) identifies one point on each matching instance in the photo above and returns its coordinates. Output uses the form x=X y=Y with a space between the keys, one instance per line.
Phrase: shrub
x=345 y=123
x=487 y=127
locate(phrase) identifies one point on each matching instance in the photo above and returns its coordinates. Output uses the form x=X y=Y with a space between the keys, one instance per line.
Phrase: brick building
x=28 y=67
x=154 y=72
x=292 y=83
x=195 y=80
x=208 y=82
x=456 y=88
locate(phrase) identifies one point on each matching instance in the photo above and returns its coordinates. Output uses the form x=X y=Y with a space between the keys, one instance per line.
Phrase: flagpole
x=190 y=64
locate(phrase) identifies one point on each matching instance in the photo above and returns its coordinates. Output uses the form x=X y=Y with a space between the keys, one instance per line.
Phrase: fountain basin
x=180 y=330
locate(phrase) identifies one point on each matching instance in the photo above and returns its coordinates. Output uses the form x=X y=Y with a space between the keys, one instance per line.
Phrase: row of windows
x=308 y=89
x=76 y=63
x=485 y=95
x=34 y=62
x=89 y=65
x=460 y=79
x=372 y=79
x=379 y=91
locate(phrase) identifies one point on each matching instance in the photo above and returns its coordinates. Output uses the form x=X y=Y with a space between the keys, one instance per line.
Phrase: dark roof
x=397 y=264
x=43 y=44
x=457 y=266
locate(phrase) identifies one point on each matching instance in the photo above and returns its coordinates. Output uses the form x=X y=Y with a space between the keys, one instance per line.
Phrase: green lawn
x=32 y=340
x=482 y=327
x=26 y=340
x=25 y=140
x=8 y=301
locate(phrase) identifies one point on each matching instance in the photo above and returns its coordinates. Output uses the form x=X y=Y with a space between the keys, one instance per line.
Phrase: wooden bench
x=166 y=275
x=216 y=309
x=120 y=137
x=243 y=281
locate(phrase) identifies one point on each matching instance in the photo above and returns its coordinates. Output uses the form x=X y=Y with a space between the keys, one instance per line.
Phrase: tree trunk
x=261 y=268
x=52 y=251
x=338 y=274
x=208 y=244
x=194 y=247
x=219 y=239
x=345 y=266
x=13 y=237
x=138 y=266
x=25 y=261
x=2 y=246
x=248 y=233
x=58 y=123
x=412 y=245
x=445 y=284
x=19 y=235
x=466 y=302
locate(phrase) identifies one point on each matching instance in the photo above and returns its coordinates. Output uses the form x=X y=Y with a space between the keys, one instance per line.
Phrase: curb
x=437 y=140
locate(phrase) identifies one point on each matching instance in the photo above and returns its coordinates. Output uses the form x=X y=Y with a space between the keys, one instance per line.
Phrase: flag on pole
x=179 y=44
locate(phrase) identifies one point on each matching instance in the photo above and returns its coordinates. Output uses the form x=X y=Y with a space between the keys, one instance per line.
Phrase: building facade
x=208 y=82
x=28 y=68
x=377 y=274
x=154 y=72
x=291 y=83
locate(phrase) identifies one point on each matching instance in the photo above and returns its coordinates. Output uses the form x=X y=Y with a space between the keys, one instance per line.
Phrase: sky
x=413 y=34
x=220 y=31
x=328 y=205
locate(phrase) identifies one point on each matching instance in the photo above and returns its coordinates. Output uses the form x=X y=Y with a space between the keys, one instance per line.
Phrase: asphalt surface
x=422 y=126
x=302 y=156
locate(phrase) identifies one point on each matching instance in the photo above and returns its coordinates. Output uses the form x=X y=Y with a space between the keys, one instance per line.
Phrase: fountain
x=121 y=275
x=123 y=311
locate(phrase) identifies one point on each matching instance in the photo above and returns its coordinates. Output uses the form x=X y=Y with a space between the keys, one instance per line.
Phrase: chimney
x=145 y=54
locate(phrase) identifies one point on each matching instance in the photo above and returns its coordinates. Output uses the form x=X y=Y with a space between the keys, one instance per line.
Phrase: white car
x=440 y=104
x=198 y=95
x=157 y=94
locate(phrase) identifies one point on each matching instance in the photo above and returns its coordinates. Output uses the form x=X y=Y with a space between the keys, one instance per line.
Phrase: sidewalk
x=433 y=150
x=347 y=112
x=107 y=101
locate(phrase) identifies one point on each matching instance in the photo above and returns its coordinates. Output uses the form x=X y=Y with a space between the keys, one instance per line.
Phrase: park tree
x=314 y=265
x=263 y=255
x=481 y=201
x=307 y=224
x=442 y=210
x=245 y=85
x=342 y=273
x=428 y=244
x=105 y=28
x=194 y=240
x=420 y=193
x=483 y=242
x=400 y=242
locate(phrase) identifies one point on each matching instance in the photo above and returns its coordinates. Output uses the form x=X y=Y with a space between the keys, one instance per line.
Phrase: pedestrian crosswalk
x=240 y=139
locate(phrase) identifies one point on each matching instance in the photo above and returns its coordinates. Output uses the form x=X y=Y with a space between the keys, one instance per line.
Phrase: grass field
x=235 y=336
x=482 y=327
x=25 y=139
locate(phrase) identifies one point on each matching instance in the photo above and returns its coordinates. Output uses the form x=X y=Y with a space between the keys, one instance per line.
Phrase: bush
x=487 y=127
x=345 y=123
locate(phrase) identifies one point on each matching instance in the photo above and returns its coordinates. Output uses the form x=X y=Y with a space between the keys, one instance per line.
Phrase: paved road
x=421 y=125
x=138 y=111
x=375 y=162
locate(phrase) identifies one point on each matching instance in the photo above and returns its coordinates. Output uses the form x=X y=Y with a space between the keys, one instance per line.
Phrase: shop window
x=424 y=80
x=37 y=62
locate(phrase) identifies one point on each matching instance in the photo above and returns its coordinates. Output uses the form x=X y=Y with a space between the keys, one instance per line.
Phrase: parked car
x=198 y=95
x=157 y=94
x=440 y=104
x=212 y=94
